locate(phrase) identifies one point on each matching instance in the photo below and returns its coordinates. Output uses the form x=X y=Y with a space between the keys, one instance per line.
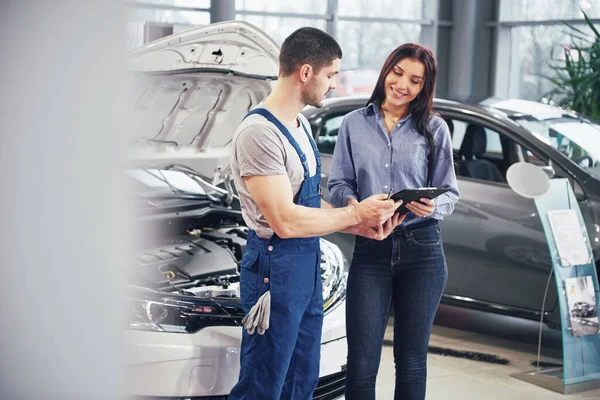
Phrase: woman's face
x=404 y=82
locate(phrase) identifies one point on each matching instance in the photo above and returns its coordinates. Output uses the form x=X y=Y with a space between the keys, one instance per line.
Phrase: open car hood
x=192 y=89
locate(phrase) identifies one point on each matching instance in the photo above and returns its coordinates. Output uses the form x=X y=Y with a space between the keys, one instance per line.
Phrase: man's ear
x=305 y=72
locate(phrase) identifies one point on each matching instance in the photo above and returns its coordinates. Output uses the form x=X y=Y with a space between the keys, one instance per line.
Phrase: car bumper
x=206 y=364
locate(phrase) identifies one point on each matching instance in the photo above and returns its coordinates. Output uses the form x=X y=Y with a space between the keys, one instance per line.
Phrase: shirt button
x=266 y=280
x=398 y=125
x=387 y=165
x=270 y=248
x=389 y=144
x=385 y=187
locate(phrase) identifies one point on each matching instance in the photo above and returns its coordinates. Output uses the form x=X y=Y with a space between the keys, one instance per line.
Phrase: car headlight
x=170 y=312
x=334 y=274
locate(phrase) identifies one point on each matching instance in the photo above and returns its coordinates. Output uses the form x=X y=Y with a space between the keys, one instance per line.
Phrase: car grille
x=331 y=387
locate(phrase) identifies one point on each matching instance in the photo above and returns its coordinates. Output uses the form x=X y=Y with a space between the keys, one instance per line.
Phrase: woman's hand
x=381 y=232
x=422 y=208
x=391 y=224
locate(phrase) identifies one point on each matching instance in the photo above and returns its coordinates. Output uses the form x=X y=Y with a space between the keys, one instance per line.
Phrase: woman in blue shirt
x=394 y=143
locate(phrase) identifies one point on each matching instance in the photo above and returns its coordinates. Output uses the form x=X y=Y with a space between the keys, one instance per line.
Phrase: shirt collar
x=371 y=107
x=375 y=108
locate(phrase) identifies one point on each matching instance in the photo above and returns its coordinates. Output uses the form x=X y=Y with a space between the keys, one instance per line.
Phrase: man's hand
x=391 y=224
x=422 y=208
x=375 y=210
x=380 y=232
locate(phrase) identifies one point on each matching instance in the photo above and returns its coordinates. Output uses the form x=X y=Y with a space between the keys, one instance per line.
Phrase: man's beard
x=311 y=98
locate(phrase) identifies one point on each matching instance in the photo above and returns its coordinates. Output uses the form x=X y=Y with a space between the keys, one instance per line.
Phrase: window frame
x=518 y=144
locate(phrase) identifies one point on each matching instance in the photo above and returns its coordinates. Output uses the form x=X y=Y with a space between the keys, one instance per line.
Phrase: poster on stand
x=581 y=300
x=570 y=243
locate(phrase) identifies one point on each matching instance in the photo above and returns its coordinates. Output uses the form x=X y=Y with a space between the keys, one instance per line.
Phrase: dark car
x=582 y=309
x=497 y=254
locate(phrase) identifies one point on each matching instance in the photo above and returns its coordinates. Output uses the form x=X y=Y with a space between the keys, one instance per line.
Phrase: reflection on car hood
x=192 y=90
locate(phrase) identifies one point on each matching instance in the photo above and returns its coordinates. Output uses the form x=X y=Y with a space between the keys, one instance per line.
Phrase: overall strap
x=314 y=147
x=271 y=118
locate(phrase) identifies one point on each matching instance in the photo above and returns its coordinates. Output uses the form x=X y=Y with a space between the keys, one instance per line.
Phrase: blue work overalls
x=284 y=362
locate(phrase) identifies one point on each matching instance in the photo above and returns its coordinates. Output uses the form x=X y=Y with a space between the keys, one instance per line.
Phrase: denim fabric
x=284 y=362
x=406 y=271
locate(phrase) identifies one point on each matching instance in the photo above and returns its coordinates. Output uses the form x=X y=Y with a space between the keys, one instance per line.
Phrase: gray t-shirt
x=260 y=149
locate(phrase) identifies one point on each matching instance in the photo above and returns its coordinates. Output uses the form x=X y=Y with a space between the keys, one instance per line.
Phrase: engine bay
x=198 y=257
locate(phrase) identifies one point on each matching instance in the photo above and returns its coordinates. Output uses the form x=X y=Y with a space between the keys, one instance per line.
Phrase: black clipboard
x=408 y=195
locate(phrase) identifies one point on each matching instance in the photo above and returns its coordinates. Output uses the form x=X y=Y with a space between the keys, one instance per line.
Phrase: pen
x=390 y=194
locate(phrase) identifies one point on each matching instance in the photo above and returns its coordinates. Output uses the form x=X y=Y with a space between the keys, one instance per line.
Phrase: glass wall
x=536 y=39
x=177 y=13
x=298 y=7
x=280 y=27
x=543 y=10
x=177 y=3
x=411 y=9
x=367 y=30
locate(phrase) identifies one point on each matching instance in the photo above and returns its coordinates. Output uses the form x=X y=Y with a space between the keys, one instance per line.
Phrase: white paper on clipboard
x=569 y=239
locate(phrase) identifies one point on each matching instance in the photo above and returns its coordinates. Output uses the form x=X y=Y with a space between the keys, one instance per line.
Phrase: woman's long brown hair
x=421 y=107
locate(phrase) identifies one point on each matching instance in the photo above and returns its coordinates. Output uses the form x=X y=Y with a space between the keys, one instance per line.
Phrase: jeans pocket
x=428 y=237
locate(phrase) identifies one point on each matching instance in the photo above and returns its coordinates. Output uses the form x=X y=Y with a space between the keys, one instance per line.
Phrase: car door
x=507 y=262
x=325 y=128
x=460 y=231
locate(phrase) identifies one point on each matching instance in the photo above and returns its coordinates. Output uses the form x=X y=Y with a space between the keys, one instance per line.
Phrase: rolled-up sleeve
x=342 y=178
x=443 y=172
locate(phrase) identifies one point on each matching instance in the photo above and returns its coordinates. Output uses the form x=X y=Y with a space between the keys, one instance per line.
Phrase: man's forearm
x=309 y=222
x=325 y=204
x=351 y=229
x=273 y=195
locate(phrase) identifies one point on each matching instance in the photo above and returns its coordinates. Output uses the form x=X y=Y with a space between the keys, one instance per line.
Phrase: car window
x=329 y=133
x=489 y=165
x=494 y=146
x=576 y=138
x=533 y=158
x=500 y=153
x=458 y=129
x=332 y=125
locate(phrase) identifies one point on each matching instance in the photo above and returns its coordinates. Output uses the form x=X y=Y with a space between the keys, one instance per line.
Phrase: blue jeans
x=406 y=271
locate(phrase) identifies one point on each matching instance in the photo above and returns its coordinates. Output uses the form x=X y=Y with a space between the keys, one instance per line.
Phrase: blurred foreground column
x=62 y=218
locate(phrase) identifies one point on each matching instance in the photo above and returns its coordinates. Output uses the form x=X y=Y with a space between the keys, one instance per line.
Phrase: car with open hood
x=191 y=90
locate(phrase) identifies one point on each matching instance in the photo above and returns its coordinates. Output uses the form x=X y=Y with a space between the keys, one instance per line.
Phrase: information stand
x=577 y=286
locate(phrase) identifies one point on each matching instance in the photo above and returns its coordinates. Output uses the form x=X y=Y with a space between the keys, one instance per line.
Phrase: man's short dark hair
x=309 y=46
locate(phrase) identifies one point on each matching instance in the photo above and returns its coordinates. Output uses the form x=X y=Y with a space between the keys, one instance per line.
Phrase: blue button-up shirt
x=368 y=161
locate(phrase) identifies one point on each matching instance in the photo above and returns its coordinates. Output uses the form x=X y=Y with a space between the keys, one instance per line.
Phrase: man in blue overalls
x=277 y=172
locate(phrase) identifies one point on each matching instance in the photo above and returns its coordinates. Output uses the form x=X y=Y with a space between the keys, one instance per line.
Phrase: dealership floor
x=505 y=345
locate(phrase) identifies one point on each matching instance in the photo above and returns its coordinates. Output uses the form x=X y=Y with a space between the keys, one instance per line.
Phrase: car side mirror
x=549 y=170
